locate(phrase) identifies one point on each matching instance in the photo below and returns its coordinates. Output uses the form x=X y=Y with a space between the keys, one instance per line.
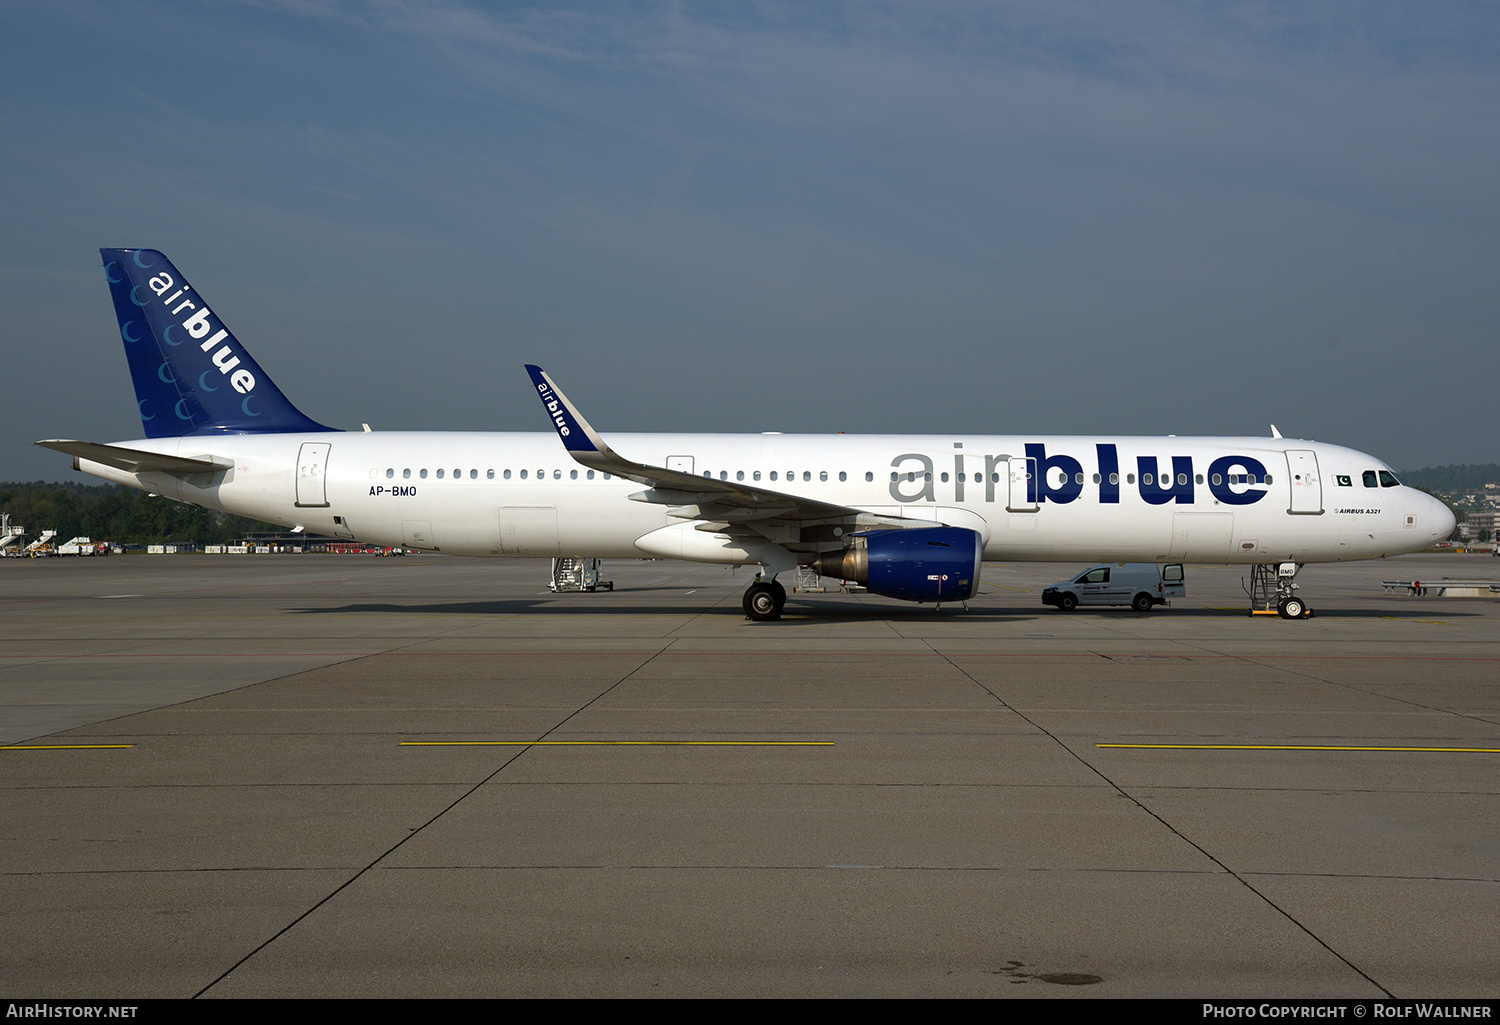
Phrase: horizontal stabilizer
x=133 y=460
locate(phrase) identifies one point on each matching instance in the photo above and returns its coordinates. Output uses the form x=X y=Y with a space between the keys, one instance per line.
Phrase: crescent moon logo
x=109 y=273
x=138 y=302
x=204 y=384
x=137 y=257
x=141 y=405
x=178 y=410
x=165 y=373
x=166 y=335
x=125 y=331
x=246 y=406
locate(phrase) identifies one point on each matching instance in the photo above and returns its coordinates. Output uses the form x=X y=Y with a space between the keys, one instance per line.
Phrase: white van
x=1137 y=584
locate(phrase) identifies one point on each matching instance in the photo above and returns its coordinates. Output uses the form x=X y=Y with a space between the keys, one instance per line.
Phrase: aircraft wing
x=133 y=460
x=720 y=501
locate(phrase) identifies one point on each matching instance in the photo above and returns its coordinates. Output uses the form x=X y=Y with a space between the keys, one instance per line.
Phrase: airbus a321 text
x=910 y=517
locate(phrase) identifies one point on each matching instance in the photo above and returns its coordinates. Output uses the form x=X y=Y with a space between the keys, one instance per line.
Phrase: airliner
x=909 y=517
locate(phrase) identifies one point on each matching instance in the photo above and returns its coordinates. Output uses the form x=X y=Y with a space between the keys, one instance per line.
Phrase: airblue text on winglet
x=571 y=428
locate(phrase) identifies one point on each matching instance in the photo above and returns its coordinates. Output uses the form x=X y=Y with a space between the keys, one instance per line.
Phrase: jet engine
x=921 y=564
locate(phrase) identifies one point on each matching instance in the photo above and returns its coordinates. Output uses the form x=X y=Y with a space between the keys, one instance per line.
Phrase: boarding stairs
x=572 y=574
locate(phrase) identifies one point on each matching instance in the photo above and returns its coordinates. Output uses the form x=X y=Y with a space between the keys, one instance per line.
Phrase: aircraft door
x=529 y=530
x=1307 y=486
x=1202 y=537
x=1022 y=494
x=417 y=534
x=312 y=474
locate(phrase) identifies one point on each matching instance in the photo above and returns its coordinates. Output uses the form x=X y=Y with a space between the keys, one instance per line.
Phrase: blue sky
x=941 y=217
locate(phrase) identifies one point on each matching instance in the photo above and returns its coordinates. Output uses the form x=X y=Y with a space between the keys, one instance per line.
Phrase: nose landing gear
x=1271 y=591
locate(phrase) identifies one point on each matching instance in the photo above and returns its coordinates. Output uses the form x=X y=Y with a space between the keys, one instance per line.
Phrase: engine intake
x=922 y=564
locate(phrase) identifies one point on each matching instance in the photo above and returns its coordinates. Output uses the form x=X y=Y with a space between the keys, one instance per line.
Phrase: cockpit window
x=1369 y=478
x=1388 y=479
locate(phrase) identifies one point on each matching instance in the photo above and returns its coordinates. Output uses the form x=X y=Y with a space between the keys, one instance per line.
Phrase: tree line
x=111 y=512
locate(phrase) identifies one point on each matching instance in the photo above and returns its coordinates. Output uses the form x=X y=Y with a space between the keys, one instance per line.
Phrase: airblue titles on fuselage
x=1231 y=479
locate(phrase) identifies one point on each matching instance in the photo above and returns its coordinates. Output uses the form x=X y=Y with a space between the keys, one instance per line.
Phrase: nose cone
x=1441 y=518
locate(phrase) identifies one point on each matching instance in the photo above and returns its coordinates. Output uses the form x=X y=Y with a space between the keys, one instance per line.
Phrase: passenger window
x=843 y=476
x=572 y=474
x=406 y=474
x=389 y=474
x=1114 y=478
x=807 y=475
x=523 y=474
x=440 y=474
x=869 y=477
x=1369 y=479
x=591 y=475
x=823 y=475
x=739 y=474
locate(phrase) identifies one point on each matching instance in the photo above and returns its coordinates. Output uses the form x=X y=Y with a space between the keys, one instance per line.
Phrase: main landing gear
x=1272 y=591
x=763 y=601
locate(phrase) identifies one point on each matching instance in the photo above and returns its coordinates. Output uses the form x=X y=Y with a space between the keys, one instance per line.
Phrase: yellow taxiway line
x=60 y=747
x=616 y=743
x=1301 y=747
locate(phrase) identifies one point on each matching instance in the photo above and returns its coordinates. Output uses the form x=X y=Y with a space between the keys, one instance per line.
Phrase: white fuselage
x=523 y=495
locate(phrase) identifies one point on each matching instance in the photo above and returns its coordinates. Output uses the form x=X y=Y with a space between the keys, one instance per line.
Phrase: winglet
x=578 y=437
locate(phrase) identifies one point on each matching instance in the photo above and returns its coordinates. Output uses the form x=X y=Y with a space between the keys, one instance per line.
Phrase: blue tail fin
x=191 y=375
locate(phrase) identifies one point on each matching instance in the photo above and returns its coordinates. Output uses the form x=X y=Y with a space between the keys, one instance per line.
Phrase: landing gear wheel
x=760 y=602
x=1291 y=608
x=1067 y=602
x=780 y=593
x=1141 y=602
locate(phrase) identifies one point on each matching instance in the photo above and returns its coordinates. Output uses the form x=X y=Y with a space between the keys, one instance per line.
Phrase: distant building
x=1474 y=522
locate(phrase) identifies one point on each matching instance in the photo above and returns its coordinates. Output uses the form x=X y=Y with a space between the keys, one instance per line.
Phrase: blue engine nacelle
x=921 y=564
